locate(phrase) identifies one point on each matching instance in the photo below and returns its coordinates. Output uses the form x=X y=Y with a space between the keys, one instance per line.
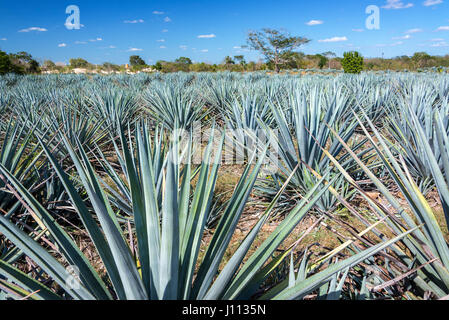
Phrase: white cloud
x=205 y=50
x=358 y=30
x=62 y=45
x=34 y=29
x=207 y=36
x=3 y=39
x=237 y=47
x=134 y=49
x=163 y=47
x=397 y=4
x=80 y=42
x=158 y=12
x=161 y=40
x=183 y=47
x=112 y=47
x=417 y=30
x=134 y=21
x=314 y=22
x=165 y=30
x=443 y=28
x=429 y=3
x=406 y=37
x=437 y=40
x=399 y=43
x=167 y=19
x=334 y=39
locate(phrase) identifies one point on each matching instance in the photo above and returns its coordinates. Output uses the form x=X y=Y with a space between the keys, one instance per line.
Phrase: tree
x=329 y=55
x=158 y=66
x=421 y=59
x=136 y=61
x=5 y=63
x=228 y=61
x=23 y=62
x=49 y=65
x=79 y=63
x=293 y=60
x=352 y=62
x=184 y=60
x=110 y=67
x=273 y=44
x=322 y=61
x=33 y=67
x=202 y=67
x=240 y=59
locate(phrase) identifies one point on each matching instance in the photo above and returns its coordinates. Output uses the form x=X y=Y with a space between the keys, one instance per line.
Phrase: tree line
x=351 y=62
x=19 y=63
x=278 y=47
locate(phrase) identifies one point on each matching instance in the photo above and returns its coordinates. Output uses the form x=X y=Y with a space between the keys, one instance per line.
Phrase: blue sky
x=210 y=30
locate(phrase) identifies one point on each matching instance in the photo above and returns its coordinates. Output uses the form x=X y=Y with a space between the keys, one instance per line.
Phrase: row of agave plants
x=95 y=157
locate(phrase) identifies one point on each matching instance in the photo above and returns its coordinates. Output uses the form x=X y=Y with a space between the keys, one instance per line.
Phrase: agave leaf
x=70 y=251
x=132 y=283
x=13 y=274
x=225 y=229
x=263 y=253
x=38 y=254
x=90 y=224
x=316 y=280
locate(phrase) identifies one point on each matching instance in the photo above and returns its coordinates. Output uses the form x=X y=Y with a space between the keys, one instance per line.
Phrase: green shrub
x=5 y=63
x=352 y=62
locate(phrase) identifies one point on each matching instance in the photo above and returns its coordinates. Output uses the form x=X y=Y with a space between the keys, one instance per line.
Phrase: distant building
x=149 y=70
x=79 y=71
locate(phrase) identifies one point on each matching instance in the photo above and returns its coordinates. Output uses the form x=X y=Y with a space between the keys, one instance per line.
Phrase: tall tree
x=79 y=63
x=135 y=61
x=158 y=65
x=274 y=44
x=23 y=62
x=421 y=59
x=240 y=59
x=228 y=61
x=293 y=60
x=108 y=66
x=322 y=61
x=5 y=63
x=49 y=65
x=184 y=60
x=329 y=55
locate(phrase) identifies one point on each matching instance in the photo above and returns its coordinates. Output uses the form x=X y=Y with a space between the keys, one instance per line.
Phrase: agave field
x=101 y=198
